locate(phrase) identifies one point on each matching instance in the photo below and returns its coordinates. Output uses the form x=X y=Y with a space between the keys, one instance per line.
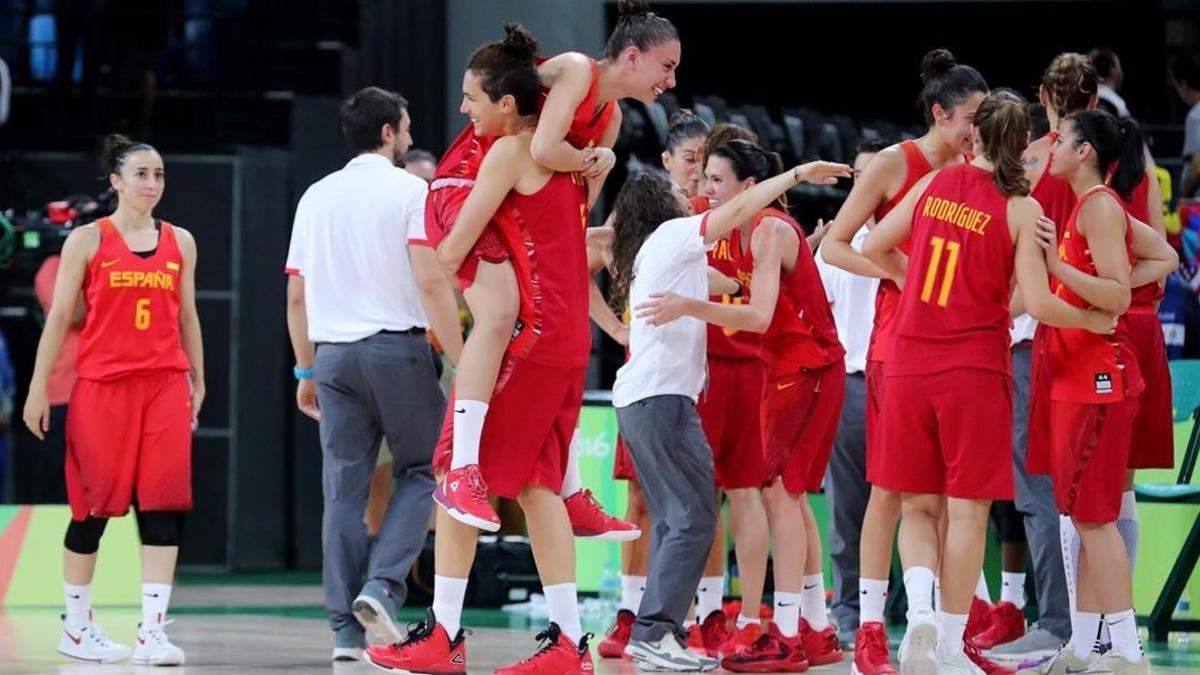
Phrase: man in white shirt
x=1108 y=67
x=361 y=294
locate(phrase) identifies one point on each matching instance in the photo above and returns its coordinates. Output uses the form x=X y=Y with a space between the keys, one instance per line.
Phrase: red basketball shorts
x=800 y=415
x=948 y=433
x=729 y=412
x=1091 y=453
x=1153 y=429
x=130 y=438
x=527 y=434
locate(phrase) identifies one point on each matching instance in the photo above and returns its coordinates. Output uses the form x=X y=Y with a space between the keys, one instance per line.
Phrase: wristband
x=302 y=374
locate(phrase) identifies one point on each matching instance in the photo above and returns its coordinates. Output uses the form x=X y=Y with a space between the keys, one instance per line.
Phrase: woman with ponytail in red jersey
x=133 y=408
x=949 y=97
x=1095 y=380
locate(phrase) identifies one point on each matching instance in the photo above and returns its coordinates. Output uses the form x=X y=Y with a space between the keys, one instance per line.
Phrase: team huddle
x=983 y=244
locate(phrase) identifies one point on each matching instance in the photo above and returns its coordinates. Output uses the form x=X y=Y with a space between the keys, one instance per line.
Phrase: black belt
x=415 y=330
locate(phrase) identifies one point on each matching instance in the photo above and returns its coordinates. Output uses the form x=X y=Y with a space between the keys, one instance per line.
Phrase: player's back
x=954 y=309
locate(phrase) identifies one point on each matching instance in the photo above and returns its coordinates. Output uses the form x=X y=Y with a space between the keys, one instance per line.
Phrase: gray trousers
x=1035 y=501
x=674 y=466
x=847 y=490
x=382 y=386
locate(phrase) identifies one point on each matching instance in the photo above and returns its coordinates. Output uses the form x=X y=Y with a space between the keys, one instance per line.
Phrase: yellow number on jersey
x=141 y=314
x=951 y=249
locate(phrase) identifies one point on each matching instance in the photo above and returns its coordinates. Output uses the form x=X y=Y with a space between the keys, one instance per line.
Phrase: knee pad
x=83 y=536
x=159 y=528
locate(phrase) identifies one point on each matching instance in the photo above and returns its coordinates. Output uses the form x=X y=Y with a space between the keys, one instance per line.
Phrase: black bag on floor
x=504 y=572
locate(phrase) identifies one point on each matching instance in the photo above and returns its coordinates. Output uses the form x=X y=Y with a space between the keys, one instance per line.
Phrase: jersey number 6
x=141 y=314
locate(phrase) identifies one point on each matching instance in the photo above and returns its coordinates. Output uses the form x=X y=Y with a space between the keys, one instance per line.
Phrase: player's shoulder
x=1101 y=204
x=566 y=63
x=1024 y=207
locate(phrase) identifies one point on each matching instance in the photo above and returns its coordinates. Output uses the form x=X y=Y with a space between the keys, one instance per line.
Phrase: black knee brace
x=83 y=536
x=159 y=528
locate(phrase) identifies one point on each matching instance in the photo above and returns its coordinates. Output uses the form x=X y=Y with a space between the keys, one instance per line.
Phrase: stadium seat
x=1185 y=386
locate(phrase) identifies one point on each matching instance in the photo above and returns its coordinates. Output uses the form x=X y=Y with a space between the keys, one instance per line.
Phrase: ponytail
x=506 y=67
x=1003 y=123
x=1120 y=154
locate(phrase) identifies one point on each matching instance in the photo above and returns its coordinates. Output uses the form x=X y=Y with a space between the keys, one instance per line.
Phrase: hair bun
x=519 y=41
x=633 y=9
x=682 y=115
x=935 y=63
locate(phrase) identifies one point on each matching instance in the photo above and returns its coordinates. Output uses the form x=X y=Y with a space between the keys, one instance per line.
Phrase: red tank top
x=553 y=221
x=954 y=309
x=802 y=333
x=1143 y=297
x=132 y=308
x=1086 y=367
x=591 y=119
x=887 y=298
x=731 y=257
x=699 y=204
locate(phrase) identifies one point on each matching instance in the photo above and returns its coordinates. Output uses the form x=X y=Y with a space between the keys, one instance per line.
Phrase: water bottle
x=610 y=589
x=1183 y=610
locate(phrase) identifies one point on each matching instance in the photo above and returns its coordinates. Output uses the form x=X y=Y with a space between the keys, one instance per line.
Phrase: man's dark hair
x=365 y=113
x=1185 y=69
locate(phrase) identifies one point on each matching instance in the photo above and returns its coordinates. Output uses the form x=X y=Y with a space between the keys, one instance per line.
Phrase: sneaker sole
x=389 y=669
x=855 y=671
x=381 y=628
x=612 y=535
x=158 y=662
x=466 y=518
x=1037 y=655
x=344 y=654
x=921 y=644
x=85 y=659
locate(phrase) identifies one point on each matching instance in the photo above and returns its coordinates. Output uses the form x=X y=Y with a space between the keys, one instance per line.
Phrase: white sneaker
x=668 y=655
x=920 y=641
x=1113 y=663
x=87 y=642
x=1062 y=663
x=155 y=649
x=958 y=664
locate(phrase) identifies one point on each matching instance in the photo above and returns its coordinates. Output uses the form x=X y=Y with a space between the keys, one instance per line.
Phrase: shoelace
x=417 y=633
x=547 y=640
x=156 y=632
x=476 y=486
x=99 y=636
x=829 y=641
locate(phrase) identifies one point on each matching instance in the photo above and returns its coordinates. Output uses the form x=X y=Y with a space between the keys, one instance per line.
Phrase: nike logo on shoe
x=74 y=639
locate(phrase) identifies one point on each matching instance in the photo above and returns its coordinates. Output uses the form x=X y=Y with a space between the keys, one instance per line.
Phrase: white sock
x=155 y=599
x=981 y=589
x=632 y=588
x=787 y=613
x=812 y=602
x=1122 y=626
x=1085 y=626
x=919 y=583
x=448 y=596
x=709 y=594
x=572 y=482
x=79 y=603
x=1127 y=525
x=950 y=633
x=563 y=606
x=743 y=621
x=937 y=594
x=872 y=598
x=1012 y=588
x=468 y=427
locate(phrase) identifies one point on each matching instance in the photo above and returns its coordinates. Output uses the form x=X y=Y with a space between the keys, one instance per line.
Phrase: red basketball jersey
x=1086 y=367
x=954 y=309
x=1143 y=297
x=132 y=308
x=887 y=299
x=802 y=333
x=591 y=119
x=553 y=221
x=731 y=257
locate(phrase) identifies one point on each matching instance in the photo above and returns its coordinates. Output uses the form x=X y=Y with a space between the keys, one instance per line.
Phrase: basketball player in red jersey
x=801 y=395
x=579 y=123
x=949 y=97
x=133 y=408
x=1095 y=381
x=534 y=415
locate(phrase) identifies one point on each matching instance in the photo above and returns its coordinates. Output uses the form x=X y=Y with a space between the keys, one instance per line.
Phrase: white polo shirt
x=350 y=243
x=669 y=359
x=852 y=299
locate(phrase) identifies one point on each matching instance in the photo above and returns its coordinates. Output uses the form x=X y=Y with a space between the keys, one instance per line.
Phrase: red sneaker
x=821 y=646
x=732 y=609
x=1007 y=624
x=426 y=649
x=741 y=640
x=988 y=667
x=770 y=653
x=980 y=618
x=589 y=521
x=613 y=646
x=557 y=655
x=463 y=495
x=715 y=632
x=695 y=640
x=871 y=650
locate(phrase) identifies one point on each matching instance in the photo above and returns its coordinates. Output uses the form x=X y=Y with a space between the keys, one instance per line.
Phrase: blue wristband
x=302 y=374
